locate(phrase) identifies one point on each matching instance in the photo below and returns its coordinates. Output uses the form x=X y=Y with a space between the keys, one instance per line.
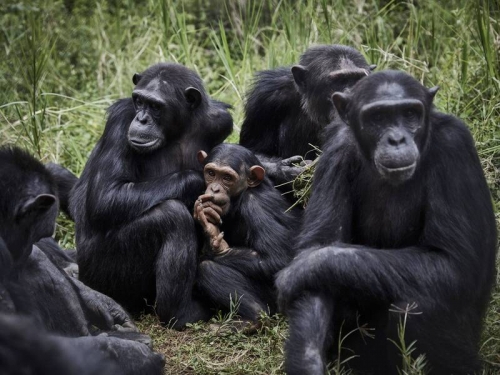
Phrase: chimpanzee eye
x=155 y=106
x=378 y=117
x=211 y=173
x=138 y=102
x=227 y=178
x=410 y=114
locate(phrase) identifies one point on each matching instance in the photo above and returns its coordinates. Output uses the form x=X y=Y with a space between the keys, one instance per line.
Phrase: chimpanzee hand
x=104 y=312
x=212 y=231
x=211 y=209
x=302 y=274
x=219 y=244
x=285 y=170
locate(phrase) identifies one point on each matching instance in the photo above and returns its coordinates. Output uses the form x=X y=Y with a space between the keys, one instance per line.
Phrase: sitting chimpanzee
x=288 y=109
x=33 y=286
x=400 y=219
x=136 y=238
x=248 y=231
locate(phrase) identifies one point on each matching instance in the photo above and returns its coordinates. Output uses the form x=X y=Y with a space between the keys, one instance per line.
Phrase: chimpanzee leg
x=310 y=319
x=176 y=265
x=221 y=284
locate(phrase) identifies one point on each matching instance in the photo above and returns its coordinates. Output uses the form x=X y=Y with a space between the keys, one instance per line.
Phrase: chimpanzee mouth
x=399 y=173
x=143 y=143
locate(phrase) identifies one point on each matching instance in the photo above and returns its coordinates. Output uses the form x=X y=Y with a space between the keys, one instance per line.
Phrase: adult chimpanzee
x=288 y=109
x=400 y=216
x=251 y=242
x=32 y=285
x=136 y=238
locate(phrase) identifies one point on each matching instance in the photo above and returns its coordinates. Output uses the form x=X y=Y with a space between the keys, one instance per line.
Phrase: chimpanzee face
x=317 y=84
x=389 y=120
x=160 y=113
x=224 y=183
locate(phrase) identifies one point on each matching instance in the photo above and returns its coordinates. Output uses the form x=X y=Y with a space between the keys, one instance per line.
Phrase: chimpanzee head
x=323 y=70
x=166 y=98
x=28 y=203
x=230 y=170
x=389 y=115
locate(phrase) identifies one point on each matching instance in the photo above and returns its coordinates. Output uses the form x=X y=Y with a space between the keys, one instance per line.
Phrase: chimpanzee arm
x=113 y=202
x=268 y=247
x=281 y=170
x=65 y=181
x=329 y=210
x=455 y=257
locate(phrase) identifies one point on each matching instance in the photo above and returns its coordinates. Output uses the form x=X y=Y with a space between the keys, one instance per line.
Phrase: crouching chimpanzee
x=247 y=228
x=288 y=108
x=32 y=285
x=136 y=238
x=400 y=219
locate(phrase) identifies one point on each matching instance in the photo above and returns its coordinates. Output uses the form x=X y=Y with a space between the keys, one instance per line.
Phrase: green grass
x=65 y=61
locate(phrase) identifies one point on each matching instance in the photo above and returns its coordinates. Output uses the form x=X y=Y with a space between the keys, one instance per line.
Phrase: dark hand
x=105 y=313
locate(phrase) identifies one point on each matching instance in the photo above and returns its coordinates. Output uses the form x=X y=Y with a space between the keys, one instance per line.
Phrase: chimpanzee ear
x=372 y=67
x=300 y=76
x=136 y=78
x=257 y=174
x=432 y=91
x=193 y=97
x=35 y=206
x=341 y=100
x=202 y=155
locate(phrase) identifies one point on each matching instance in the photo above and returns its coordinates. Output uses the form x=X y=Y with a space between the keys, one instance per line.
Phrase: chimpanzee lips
x=139 y=143
x=396 y=173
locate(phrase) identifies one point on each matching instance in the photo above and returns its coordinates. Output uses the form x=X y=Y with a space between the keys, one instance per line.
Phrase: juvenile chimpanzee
x=400 y=218
x=136 y=238
x=33 y=286
x=248 y=229
x=288 y=108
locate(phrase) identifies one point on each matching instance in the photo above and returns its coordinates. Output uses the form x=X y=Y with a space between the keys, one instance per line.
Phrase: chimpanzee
x=248 y=229
x=136 y=238
x=288 y=108
x=32 y=285
x=400 y=219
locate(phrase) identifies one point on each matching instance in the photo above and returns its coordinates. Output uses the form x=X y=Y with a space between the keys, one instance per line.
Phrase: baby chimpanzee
x=248 y=230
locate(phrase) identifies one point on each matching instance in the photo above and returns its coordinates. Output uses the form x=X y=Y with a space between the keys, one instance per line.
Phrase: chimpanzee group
x=399 y=225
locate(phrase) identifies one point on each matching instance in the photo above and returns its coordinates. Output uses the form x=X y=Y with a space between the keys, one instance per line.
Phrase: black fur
x=368 y=245
x=258 y=230
x=33 y=285
x=283 y=120
x=136 y=239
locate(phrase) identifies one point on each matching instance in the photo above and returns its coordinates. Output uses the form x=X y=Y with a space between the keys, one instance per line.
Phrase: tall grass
x=65 y=61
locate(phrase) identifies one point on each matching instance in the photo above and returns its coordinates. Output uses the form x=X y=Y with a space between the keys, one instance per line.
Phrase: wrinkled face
x=389 y=122
x=222 y=183
x=157 y=111
x=390 y=129
x=317 y=85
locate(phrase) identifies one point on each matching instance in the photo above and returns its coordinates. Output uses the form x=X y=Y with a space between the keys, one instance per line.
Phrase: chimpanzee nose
x=142 y=117
x=215 y=188
x=396 y=138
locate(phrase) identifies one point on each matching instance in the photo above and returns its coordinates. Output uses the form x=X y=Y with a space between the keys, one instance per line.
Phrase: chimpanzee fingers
x=305 y=163
x=217 y=241
x=292 y=172
x=122 y=319
x=216 y=207
x=291 y=160
x=212 y=216
x=201 y=215
x=206 y=197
